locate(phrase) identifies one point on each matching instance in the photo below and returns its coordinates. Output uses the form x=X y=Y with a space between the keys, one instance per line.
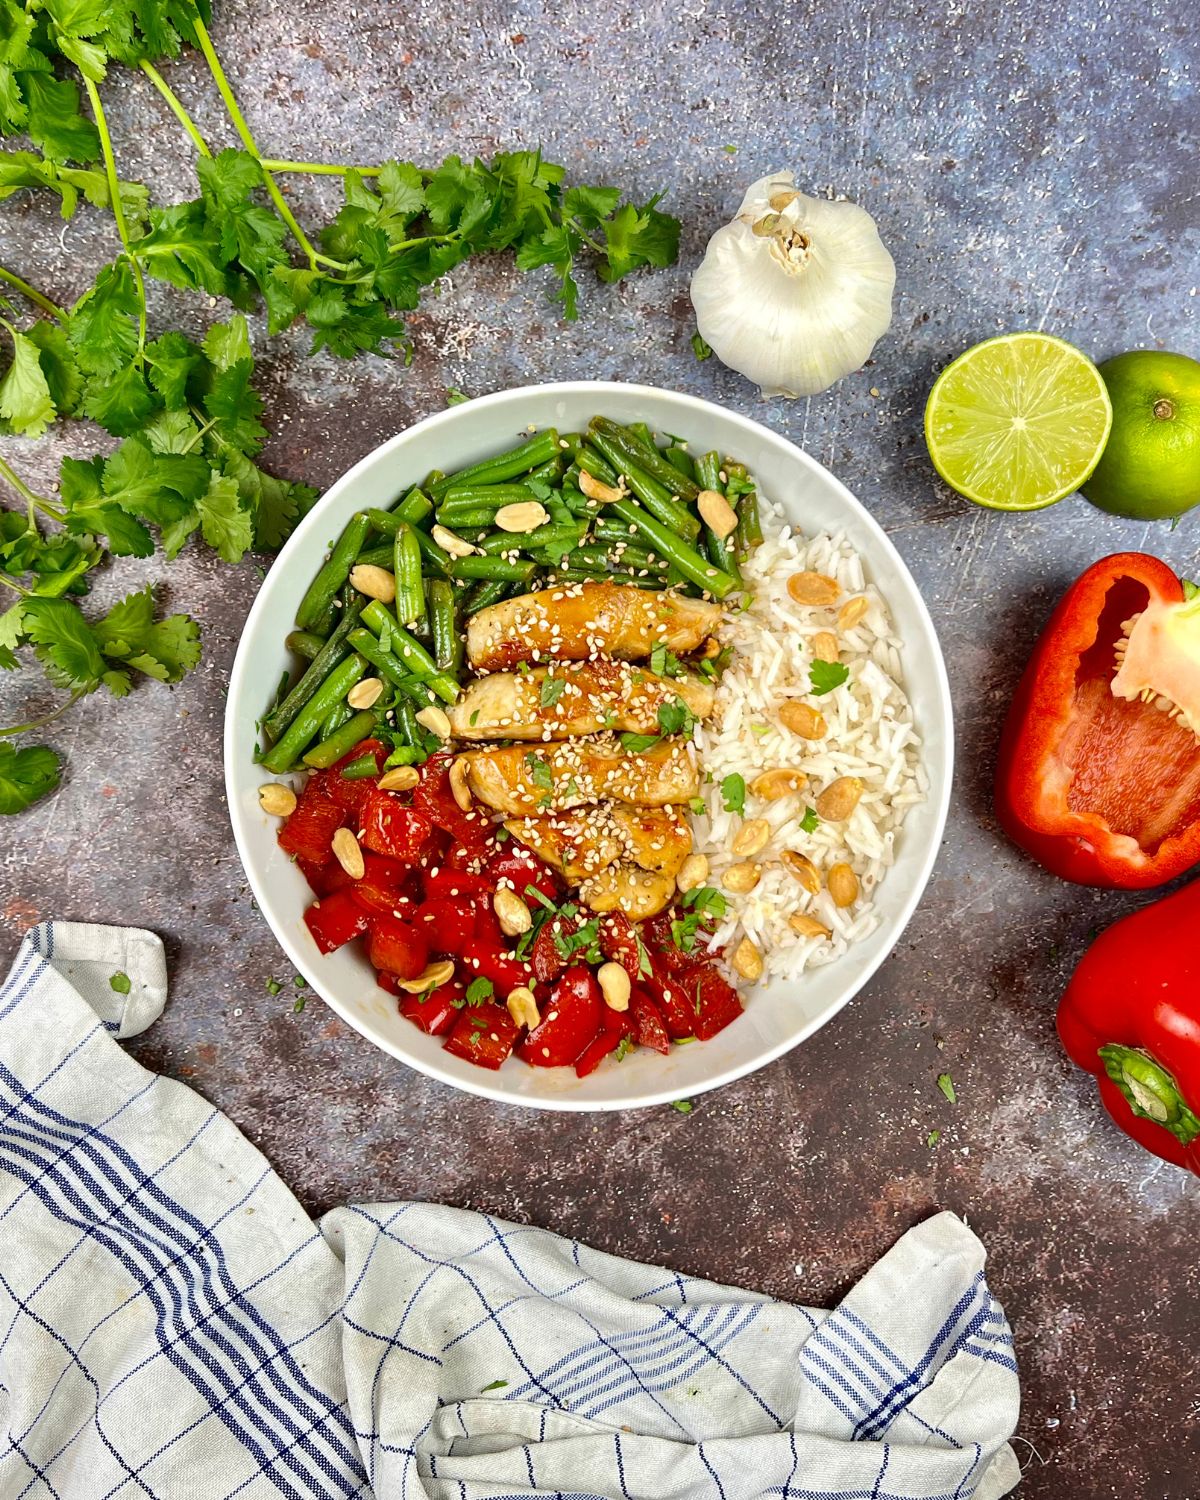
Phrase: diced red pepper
x=569 y=1022
x=334 y=920
x=483 y=1034
x=674 y=1003
x=436 y=1012
x=545 y=960
x=650 y=1031
x=317 y=875
x=454 y=884
x=619 y=1022
x=596 y=1051
x=308 y=831
x=447 y=925
x=719 y=1002
x=388 y=827
x=521 y=867
x=383 y=884
x=432 y=797
x=397 y=947
x=495 y=963
x=619 y=943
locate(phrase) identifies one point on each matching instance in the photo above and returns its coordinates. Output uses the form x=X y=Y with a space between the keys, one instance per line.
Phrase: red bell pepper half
x=1131 y=1017
x=1099 y=770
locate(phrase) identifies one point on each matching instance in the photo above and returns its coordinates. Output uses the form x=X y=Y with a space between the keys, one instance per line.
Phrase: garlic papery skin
x=795 y=292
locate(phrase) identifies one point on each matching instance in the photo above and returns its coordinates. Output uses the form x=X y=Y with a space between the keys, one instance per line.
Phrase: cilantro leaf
x=552 y=690
x=25 y=775
x=479 y=990
x=700 y=346
x=25 y=402
x=636 y=743
x=539 y=771
x=120 y=982
x=225 y=526
x=827 y=675
x=54 y=122
x=946 y=1084
x=675 y=717
x=733 y=794
x=64 y=645
x=810 y=821
x=164 y=649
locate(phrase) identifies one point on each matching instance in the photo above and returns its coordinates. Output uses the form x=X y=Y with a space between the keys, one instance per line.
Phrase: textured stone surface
x=1028 y=166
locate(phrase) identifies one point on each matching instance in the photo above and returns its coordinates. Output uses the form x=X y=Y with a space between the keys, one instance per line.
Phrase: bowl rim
x=938 y=797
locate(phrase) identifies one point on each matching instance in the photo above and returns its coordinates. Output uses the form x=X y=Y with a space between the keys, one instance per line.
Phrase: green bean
x=334 y=572
x=590 y=462
x=640 y=430
x=341 y=713
x=548 y=473
x=406 y=722
x=327 y=620
x=483 y=496
x=603 y=556
x=495 y=569
x=484 y=594
x=679 y=458
x=507 y=465
x=657 y=499
x=458 y=519
x=500 y=543
x=360 y=769
x=572 y=440
x=307 y=723
x=749 y=532
x=695 y=569
x=410 y=596
x=304 y=643
x=331 y=653
x=416 y=690
x=644 y=456
x=432 y=480
x=382 y=556
x=341 y=741
x=585 y=575
x=434 y=555
x=722 y=551
x=412 y=656
x=447 y=638
x=708 y=472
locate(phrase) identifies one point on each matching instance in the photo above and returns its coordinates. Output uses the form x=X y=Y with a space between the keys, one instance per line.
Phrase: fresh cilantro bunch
x=187 y=416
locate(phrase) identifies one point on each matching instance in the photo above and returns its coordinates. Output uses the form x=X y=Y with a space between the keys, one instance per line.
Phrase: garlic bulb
x=795 y=291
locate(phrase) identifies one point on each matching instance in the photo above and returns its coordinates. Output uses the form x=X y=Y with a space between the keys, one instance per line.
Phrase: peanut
x=807 y=927
x=824 y=646
x=277 y=799
x=596 y=489
x=803 y=719
x=375 y=583
x=399 y=779
x=511 y=912
x=717 y=513
x=363 y=694
x=852 y=612
x=460 y=772
x=802 y=868
x=751 y=838
x=843 y=885
x=614 y=986
x=772 y=785
x=434 y=719
x=839 y=799
x=430 y=978
x=747 y=960
x=814 y=589
x=742 y=878
x=348 y=854
x=522 y=1007
x=523 y=516
x=692 y=872
x=450 y=542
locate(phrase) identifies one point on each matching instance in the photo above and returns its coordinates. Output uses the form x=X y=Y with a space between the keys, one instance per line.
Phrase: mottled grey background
x=1028 y=165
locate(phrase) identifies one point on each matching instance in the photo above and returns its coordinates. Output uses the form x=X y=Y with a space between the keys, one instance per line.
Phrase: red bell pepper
x=521 y=868
x=334 y=920
x=390 y=828
x=1131 y=1016
x=650 y=1030
x=448 y=925
x=435 y=1012
x=569 y=1022
x=483 y=1034
x=1099 y=788
x=397 y=947
x=433 y=797
x=308 y=831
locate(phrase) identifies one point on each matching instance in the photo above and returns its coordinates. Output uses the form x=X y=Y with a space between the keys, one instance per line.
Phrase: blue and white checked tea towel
x=173 y=1325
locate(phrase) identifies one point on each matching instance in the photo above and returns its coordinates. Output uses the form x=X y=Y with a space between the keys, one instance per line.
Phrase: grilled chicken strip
x=567 y=773
x=584 y=697
x=582 y=620
x=587 y=840
x=622 y=887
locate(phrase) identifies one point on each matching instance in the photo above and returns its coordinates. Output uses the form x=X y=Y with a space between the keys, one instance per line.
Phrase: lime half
x=1018 y=422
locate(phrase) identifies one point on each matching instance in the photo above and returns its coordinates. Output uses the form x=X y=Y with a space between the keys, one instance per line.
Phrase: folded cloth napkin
x=173 y=1324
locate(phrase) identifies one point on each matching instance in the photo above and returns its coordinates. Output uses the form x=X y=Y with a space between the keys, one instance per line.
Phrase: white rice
x=870 y=735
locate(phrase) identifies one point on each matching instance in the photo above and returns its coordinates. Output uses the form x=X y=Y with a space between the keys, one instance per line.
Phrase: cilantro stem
x=118 y=208
x=175 y=104
x=36 y=297
x=318 y=168
x=31 y=497
x=15 y=586
x=247 y=139
x=41 y=723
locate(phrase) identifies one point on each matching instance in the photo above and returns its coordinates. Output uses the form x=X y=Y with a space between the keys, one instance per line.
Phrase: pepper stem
x=1150 y=1091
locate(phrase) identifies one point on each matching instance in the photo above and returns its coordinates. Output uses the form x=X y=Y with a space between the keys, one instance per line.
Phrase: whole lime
x=1150 y=467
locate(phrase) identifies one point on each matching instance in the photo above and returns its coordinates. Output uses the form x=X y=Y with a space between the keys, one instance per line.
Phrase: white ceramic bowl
x=778 y=1016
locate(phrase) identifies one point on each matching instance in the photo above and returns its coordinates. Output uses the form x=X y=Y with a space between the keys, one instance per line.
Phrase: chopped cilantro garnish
x=700 y=347
x=1190 y=589
x=540 y=897
x=698 y=806
x=624 y=1047
x=704 y=906
x=946 y=1084
x=495 y=1385
x=809 y=822
x=664 y=662
x=301 y=1002
x=733 y=793
x=675 y=717
x=683 y=1106
x=539 y=771
x=474 y=719
x=552 y=691
x=455 y=397
x=120 y=982
x=933 y=1138
x=479 y=990
x=827 y=675
x=636 y=743
x=273 y=986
